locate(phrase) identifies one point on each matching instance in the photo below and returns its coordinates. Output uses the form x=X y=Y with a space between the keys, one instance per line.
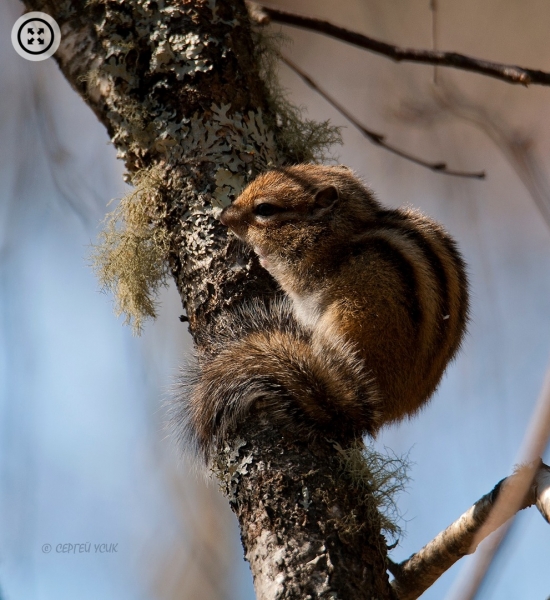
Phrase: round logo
x=35 y=36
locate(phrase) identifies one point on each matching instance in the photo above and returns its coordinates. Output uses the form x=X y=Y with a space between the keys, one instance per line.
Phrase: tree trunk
x=177 y=86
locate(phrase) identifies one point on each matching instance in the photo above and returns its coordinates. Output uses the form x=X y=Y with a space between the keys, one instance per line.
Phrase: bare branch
x=416 y=574
x=518 y=148
x=528 y=486
x=508 y=73
x=542 y=491
x=372 y=136
x=533 y=446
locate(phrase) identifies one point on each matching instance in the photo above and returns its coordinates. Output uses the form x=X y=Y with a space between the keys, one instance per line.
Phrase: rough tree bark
x=177 y=87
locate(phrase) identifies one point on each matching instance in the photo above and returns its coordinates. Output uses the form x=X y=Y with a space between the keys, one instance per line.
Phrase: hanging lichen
x=298 y=138
x=379 y=478
x=130 y=259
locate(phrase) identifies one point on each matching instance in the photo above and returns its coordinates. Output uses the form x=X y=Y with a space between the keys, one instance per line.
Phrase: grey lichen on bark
x=178 y=87
x=308 y=529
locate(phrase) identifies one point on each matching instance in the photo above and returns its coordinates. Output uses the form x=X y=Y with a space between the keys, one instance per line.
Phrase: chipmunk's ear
x=325 y=200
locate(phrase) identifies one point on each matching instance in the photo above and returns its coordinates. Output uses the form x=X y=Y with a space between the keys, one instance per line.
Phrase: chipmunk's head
x=287 y=212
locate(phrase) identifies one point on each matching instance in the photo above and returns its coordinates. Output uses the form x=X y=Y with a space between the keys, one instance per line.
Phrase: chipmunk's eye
x=266 y=210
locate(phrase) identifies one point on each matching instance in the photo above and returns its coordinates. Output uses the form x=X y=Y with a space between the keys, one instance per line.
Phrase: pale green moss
x=299 y=139
x=130 y=258
x=379 y=477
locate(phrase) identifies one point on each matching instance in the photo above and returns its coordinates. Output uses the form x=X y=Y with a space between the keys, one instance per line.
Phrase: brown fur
x=379 y=296
x=265 y=358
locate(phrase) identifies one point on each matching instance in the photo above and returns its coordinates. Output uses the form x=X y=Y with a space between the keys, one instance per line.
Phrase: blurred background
x=84 y=457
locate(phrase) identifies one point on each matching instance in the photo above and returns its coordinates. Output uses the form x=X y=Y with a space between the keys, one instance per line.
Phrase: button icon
x=35 y=36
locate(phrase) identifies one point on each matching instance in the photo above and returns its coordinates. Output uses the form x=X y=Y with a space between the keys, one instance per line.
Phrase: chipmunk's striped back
x=380 y=300
x=432 y=288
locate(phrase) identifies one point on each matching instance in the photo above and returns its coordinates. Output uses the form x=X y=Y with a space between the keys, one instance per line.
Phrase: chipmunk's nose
x=227 y=216
x=232 y=217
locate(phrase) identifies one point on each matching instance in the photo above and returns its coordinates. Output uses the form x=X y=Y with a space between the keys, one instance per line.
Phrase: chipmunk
x=376 y=306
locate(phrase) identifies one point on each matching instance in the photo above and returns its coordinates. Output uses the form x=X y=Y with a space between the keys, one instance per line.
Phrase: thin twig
x=416 y=574
x=534 y=444
x=517 y=147
x=435 y=45
x=372 y=136
x=508 y=73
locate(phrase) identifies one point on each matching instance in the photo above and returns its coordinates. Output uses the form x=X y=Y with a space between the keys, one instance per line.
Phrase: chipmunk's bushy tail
x=265 y=359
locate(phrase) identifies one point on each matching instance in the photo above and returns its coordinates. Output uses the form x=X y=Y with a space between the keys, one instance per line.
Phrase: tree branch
x=178 y=88
x=534 y=443
x=508 y=73
x=529 y=485
x=542 y=491
x=416 y=574
x=377 y=138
